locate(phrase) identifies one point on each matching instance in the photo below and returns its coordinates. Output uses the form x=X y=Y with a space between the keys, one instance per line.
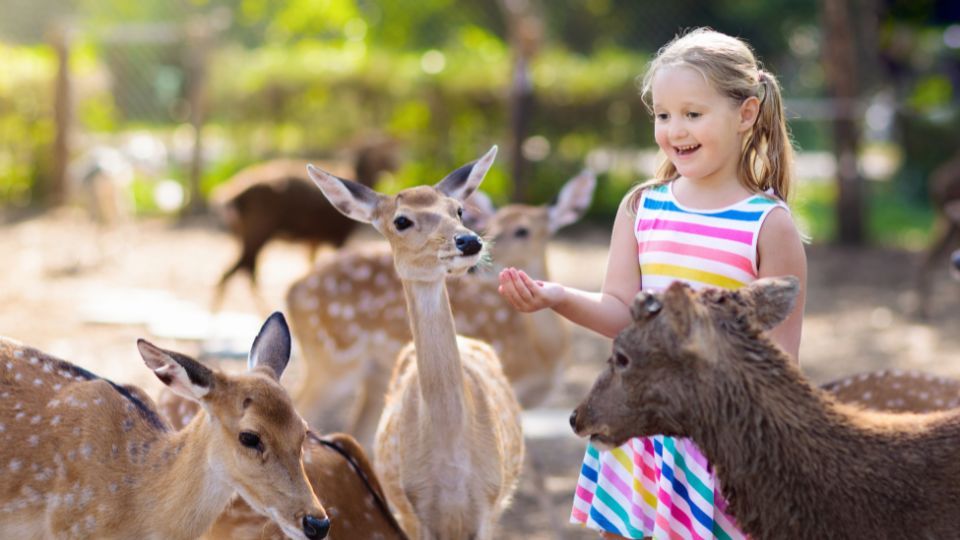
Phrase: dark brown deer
x=945 y=197
x=791 y=460
x=276 y=199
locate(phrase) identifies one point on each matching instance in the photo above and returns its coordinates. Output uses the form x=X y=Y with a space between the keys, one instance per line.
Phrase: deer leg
x=247 y=261
x=950 y=232
x=366 y=411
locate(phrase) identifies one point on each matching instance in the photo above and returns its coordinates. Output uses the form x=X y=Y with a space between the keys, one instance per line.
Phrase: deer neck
x=186 y=489
x=439 y=367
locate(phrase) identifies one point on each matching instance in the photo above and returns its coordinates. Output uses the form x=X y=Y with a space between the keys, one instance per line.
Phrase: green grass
x=892 y=219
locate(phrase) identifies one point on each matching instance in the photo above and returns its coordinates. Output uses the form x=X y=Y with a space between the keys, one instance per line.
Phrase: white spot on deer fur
x=330 y=284
x=924 y=396
x=37 y=382
x=500 y=315
x=86 y=451
x=333 y=309
x=15 y=465
x=55 y=421
x=19 y=416
x=18 y=353
x=34 y=360
x=2 y=428
x=33 y=440
x=112 y=487
x=18 y=405
x=9 y=366
x=867 y=395
x=17 y=377
x=90 y=522
x=47 y=368
x=57 y=387
x=382 y=279
x=348 y=312
x=53 y=403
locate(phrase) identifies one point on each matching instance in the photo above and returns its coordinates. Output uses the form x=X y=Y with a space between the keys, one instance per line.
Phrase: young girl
x=715 y=215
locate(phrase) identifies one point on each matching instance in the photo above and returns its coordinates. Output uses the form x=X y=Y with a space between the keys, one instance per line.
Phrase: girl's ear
x=749 y=112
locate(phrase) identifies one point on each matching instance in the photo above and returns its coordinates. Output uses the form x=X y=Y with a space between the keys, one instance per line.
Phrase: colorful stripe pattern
x=662 y=487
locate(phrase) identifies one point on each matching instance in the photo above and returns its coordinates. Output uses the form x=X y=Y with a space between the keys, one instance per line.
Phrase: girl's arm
x=606 y=312
x=780 y=253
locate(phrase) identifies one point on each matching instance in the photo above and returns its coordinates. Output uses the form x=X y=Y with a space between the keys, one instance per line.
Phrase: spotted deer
x=86 y=458
x=341 y=476
x=791 y=460
x=350 y=318
x=449 y=445
x=897 y=390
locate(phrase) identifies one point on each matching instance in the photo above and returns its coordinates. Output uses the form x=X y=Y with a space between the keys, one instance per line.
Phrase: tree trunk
x=56 y=191
x=839 y=58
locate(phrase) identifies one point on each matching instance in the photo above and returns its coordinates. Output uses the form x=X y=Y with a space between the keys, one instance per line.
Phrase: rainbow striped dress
x=662 y=487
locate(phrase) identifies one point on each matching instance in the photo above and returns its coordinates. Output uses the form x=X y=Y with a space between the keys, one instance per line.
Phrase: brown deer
x=945 y=196
x=351 y=321
x=449 y=445
x=86 y=458
x=791 y=460
x=896 y=390
x=341 y=476
x=276 y=199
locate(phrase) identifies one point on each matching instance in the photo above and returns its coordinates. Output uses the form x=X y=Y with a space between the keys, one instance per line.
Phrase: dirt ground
x=86 y=295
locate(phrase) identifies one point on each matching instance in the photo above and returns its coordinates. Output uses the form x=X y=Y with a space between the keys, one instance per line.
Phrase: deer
x=277 y=199
x=88 y=458
x=897 y=390
x=449 y=445
x=945 y=198
x=351 y=321
x=339 y=471
x=792 y=462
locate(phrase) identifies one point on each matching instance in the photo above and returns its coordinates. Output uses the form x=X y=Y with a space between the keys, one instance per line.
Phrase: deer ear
x=773 y=299
x=183 y=375
x=271 y=347
x=679 y=305
x=464 y=181
x=477 y=211
x=352 y=199
x=572 y=201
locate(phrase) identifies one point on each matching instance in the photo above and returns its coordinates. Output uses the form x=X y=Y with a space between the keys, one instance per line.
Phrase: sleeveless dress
x=663 y=487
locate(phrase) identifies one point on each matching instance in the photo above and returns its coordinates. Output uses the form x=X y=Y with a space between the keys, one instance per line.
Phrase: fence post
x=60 y=38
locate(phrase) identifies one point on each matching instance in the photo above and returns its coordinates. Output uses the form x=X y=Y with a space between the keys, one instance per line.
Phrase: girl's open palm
x=528 y=295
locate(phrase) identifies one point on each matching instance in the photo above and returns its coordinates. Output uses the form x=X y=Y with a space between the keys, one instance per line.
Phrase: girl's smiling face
x=697 y=128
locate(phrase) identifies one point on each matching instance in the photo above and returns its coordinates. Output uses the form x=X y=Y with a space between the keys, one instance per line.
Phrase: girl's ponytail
x=766 y=162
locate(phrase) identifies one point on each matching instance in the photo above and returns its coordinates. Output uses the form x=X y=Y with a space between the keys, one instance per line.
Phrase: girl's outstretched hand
x=527 y=295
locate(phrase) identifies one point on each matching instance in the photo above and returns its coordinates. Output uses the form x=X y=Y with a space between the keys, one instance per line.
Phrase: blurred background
x=119 y=120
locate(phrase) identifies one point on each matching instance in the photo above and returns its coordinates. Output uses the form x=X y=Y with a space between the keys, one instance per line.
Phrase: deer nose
x=315 y=527
x=468 y=244
x=573 y=420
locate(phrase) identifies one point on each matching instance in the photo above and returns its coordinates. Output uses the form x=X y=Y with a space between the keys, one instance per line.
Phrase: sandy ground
x=86 y=295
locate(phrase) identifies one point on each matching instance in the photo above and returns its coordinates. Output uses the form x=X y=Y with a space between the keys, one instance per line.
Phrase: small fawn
x=350 y=317
x=86 y=458
x=449 y=445
x=791 y=460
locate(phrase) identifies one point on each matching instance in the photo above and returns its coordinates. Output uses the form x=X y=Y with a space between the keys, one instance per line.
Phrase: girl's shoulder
x=633 y=197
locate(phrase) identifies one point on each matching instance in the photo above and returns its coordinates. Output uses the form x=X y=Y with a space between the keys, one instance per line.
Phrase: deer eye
x=402 y=223
x=460 y=212
x=522 y=232
x=251 y=440
x=620 y=360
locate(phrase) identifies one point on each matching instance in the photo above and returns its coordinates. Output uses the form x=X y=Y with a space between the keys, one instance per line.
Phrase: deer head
x=257 y=434
x=422 y=224
x=678 y=342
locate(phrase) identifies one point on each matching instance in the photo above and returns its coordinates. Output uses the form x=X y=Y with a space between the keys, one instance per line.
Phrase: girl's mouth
x=686 y=150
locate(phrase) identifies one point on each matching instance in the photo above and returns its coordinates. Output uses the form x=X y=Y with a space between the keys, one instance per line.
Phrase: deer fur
x=897 y=390
x=276 y=199
x=339 y=472
x=449 y=445
x=792 y=461
x=350 y=317
x=86 y=458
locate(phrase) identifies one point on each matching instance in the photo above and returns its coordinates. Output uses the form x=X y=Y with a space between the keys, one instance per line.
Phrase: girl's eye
x=251 y=440
x=693 y=115
x=402 y=223
x=661 y=116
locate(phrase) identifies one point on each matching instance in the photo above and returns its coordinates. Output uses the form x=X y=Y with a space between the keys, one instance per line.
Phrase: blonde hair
x=729 y=65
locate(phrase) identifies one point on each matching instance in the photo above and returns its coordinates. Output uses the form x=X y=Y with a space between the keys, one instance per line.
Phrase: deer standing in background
x=341 y=476
x=897 y=390
x=86 y=458
x=792 y=462
x=945 y=196
x=276 y=199
x=449 y=445
x=350 y=318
